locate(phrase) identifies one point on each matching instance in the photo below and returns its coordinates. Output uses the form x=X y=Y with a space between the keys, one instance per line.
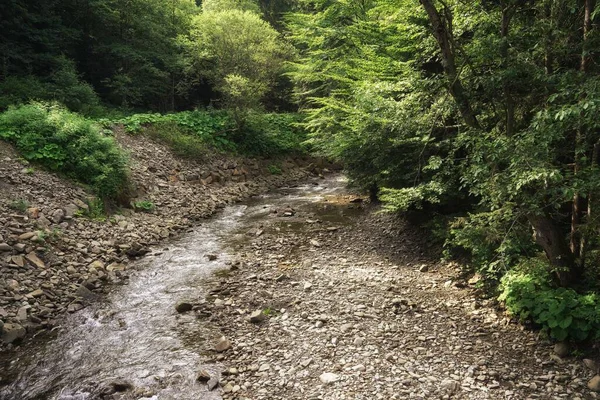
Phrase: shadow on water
x=135 y=335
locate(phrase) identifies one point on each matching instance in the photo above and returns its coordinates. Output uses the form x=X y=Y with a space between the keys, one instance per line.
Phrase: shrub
x=20 y=205
x=63 y=85
x=144 y=206
x=273 y=134
x=65 y=142
x=561 y=312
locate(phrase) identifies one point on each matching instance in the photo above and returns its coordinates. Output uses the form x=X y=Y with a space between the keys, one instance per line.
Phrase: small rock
x=183 y=307
x=12 y=332
x=211 y=257
x=307 y=286
x=36 y=293
x=328 y=378
x=591 y=364
x=319 y=324
x=424 y=268
x=562 y=349
x=27 y=236
x=315 y=243
x=594 y=384
x=5 y=247
x=223 y=344
x=228 y=388
x=35 y=260
x=212 y=383
x=203 y=376
x=257 y=316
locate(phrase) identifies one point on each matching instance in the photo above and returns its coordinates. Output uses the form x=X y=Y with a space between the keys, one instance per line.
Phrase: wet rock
x=203 y=376
x=562 y=349
x=329 y=378
x=223 y=344
x=594 y=384
x=120 y=385
x=183 y=307
x=12 y=333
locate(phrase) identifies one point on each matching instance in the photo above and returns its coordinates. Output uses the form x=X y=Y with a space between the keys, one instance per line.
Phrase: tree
x=238 y=53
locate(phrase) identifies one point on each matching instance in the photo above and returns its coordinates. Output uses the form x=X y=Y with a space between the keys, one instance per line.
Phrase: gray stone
x=213 y=383
x=12 y=333
x=58 y=216
x=223 y=344
x=5 y=247
x=257 y=316
x=424 y=268
x=562 y=349
x=328 y=378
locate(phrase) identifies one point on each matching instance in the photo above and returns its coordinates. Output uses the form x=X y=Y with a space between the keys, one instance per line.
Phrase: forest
x=478 y=117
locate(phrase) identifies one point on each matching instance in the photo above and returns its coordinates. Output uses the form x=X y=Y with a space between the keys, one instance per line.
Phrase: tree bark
x=578 y=202
x=551 y=239
x=442 y=31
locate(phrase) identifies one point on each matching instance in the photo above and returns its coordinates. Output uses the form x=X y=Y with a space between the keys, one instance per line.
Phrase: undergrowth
x=61 y=141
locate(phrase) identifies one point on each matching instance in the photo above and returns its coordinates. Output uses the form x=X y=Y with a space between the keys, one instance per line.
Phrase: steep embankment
x=52 y=258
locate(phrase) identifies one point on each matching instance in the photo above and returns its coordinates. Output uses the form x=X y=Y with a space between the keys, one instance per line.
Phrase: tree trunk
x=552 y=240
x=578 y=202
x=442 y=31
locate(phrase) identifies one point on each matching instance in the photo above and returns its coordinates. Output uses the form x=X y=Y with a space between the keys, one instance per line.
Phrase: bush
x=561 y=312
x=191 y=133
x=64 y=86
x=65 y=142
x=273 y=134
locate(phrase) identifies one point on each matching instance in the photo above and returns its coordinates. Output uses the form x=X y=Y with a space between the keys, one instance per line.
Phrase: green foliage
x=144 y=206
x=64 y=142
x=189 y=133
x=273 y=135
x=238 y=53
x=224 y=5
x=192 y=133
x=62 y=85
x=563 y=313
x=20 y=205
x=274 y=169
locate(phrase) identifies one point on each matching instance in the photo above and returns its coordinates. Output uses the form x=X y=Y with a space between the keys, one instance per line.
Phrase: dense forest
x=483 y=115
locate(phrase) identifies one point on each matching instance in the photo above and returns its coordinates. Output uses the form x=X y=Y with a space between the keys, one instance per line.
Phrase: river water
x=135 y=335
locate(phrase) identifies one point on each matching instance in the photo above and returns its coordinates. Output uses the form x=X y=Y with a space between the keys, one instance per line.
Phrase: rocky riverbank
x=54 y=258
x=319 y=309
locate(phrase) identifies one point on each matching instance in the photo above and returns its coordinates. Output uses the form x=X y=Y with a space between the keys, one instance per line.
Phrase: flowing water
x=136 y=335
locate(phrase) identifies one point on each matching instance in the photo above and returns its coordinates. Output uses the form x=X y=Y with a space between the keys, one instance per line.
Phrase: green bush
x=65 y=142
x=561 y=312
x=192 y=133
x=273 y=134
x=63 y=85
x=144 y=206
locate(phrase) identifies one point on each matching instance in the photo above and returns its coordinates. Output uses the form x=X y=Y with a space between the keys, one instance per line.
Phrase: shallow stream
x=135 y=335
